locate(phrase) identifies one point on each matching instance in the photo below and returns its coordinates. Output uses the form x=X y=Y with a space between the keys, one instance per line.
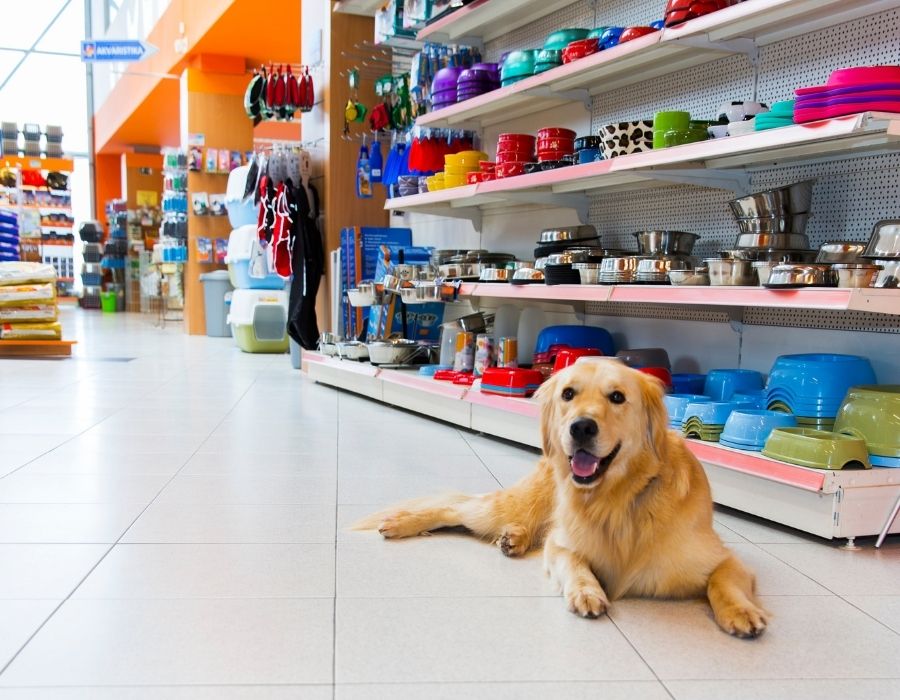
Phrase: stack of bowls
x=706 y=419
x=443 y=87
x=513 y=152
x=748 y=429
x=517 y=66
x=663 y=251
x=678 y=11
x=676 y=404
x=688 y=383
x=872 y=413
x=676 y=129
x=579 y=49
x=458 y=165
x=561 y=38
x=773 y=231
x=884 y=251
x=554 y=144
x=632 y=33
x=610 y=36
x=640 y=358
x=546 y=59
x=476 y=81
x=587 y=149
x=813 y=386
x=620 y=269
x=781 y=114
x=723 y=384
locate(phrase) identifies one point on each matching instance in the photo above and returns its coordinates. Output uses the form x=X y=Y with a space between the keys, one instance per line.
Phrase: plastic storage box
x=258 y=320
x=238 y=260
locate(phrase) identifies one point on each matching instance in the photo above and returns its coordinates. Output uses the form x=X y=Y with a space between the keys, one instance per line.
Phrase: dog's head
x=600 y=416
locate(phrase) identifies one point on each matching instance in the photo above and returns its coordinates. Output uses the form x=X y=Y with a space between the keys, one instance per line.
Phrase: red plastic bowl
x=473 y=178
x=516 y=141
x=555 y=143
x=510 y=169
x=513 y=157
x=565 y=358
x=510 y=381
x=579 y=49
x=487 y=166
x=545 y=156
x=550 y=132
x=634 y=32
x=661 y=373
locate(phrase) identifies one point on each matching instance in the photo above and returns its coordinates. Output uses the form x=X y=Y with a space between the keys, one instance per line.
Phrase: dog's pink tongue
x=584 y=463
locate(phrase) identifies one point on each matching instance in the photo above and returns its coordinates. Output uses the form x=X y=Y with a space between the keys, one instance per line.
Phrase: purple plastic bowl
x=489 y=67
x=445 y=79
x=473 y=75
x=444 y=95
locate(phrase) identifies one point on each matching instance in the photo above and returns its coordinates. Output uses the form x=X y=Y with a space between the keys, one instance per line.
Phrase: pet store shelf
x=882 y=301
x=734 y=30
x=366 y=8
x=717 y=163
x=830 y=504
x=488 y=19
x=65 y=165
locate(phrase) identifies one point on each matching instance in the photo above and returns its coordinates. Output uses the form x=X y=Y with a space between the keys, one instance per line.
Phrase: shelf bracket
x=741 y=45
x=579 y=203
x=581 y=95
x=737 y=181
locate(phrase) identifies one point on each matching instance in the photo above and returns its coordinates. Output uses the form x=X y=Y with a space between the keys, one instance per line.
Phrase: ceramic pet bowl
x=677 y=403
x=819 y=449
x=626 y=138
x=873 y=414
x=721 y=384
x=748 y=429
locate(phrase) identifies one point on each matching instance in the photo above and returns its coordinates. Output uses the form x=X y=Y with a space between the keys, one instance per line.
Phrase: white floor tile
x=27 y=487
x=441 y=566
x=273 y=524
x=607 y=690
x=94 y=441
x=84 y=523
x=774 y=577
x=21 y=619
x=415 y=640
x=510 y=468
x=213 y=571
x=884 y=608
x=808 y=637
x=261 y=464
x=487 y=446
x=807 y=689
x=868 y=571
x=48 y=571
x=762 y=531
x=354 y=488
x=108 y=464
x=248 y=489
x=177 y=642
x=359 y=463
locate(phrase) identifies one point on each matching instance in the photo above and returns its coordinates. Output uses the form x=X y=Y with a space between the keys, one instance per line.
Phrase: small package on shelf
x=204 y=251
x=30 y=331
x=212 y=160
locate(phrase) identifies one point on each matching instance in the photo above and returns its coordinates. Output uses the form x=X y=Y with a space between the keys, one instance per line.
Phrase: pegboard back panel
x=854 y=321
x=707 y=314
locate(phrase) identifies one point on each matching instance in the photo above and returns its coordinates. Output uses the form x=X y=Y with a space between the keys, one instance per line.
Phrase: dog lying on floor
x=622 y=507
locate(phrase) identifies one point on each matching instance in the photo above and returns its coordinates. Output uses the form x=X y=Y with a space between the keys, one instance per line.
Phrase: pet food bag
x=30 y=313
x=25 y=294
x=30 y=331
x=13 y=273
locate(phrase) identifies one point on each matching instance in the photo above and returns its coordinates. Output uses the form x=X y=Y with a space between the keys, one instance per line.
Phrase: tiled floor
x=175 y=526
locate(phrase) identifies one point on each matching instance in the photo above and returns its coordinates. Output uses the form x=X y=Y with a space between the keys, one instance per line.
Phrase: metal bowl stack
x=661 y=252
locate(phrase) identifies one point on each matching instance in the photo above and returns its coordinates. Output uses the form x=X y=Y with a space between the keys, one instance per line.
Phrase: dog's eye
x=568 y=394
x=617 y=397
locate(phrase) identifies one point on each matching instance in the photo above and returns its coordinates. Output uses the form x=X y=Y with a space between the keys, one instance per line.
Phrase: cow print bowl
x=625 y=138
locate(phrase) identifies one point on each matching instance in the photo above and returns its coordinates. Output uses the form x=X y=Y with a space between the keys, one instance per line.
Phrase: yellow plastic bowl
x=470 y=158
x=454 y=181
x=459 y=170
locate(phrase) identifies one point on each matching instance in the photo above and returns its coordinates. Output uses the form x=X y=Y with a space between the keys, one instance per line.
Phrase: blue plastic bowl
x=658 y=24
x=676 y=403
x=685 y=383
x=820 y=376
x=710 y=412
x=752 y=427
x=576 y=337
x=722 y=384
x=610 y=37
x=738 y=446
x=751 y=399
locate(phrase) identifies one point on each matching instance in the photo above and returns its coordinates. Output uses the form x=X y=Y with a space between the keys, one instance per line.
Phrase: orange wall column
x=108 y=181
x=212 y=104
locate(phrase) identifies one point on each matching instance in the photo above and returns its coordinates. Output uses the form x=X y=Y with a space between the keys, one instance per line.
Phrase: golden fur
x=642 y=528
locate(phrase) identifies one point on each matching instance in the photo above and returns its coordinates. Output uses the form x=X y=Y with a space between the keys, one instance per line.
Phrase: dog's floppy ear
x=657 y=417
x=545 y=394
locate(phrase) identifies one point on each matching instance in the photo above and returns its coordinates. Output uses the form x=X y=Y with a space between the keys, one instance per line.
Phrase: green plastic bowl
x=819 y=449
x=561 y=38
x=872 y=413
x=518 y=64
x=553 y=56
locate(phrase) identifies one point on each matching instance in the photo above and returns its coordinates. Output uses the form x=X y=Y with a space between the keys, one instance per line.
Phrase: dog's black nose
x=584 y=429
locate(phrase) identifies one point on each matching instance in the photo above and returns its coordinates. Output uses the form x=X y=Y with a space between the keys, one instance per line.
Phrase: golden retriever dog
x=622 y=507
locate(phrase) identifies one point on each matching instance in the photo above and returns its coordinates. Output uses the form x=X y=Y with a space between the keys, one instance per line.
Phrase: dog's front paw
x=513 y=541
x=745 y=621
x=401 y=524
x=587 y=601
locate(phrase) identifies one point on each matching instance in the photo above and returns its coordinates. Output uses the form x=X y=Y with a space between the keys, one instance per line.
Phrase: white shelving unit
x=830 y=504
x=366 y=8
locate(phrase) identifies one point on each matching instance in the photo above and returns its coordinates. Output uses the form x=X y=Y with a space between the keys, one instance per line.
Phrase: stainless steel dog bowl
x=789 y=276
x=884 y=241
x=657 y=269
x=789 y=223
x=730 y=272
x=567 y=233
x=527 y=274
x=420 y=294
x=856 y=275
x=589 y=272
x=495 y=274
x=665 y=242
x=840 y=252
x=788 y=241
x=775 y=203
x=698 y=277
x=776 y=254
x=392 y=352
x=352 y=350
x=889 y=275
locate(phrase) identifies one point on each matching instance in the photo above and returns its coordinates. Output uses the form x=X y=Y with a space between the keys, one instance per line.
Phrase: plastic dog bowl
x=510 y=381
x=811 y=377
x=753 y=399
x=721 y=384
x=646 y=357
x=873 y=414
x=694 y=428
x=687 y=383
x=568 y=356
x=575 y=337
x=710 y=413
x=751 y=428
x=817 y=448
x=661 y=373
x=558 y=40
x=676 y=404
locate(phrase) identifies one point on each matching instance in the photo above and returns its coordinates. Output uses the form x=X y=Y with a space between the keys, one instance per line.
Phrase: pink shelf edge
x=522 y=407
x=426 y=384
x=757 y=465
